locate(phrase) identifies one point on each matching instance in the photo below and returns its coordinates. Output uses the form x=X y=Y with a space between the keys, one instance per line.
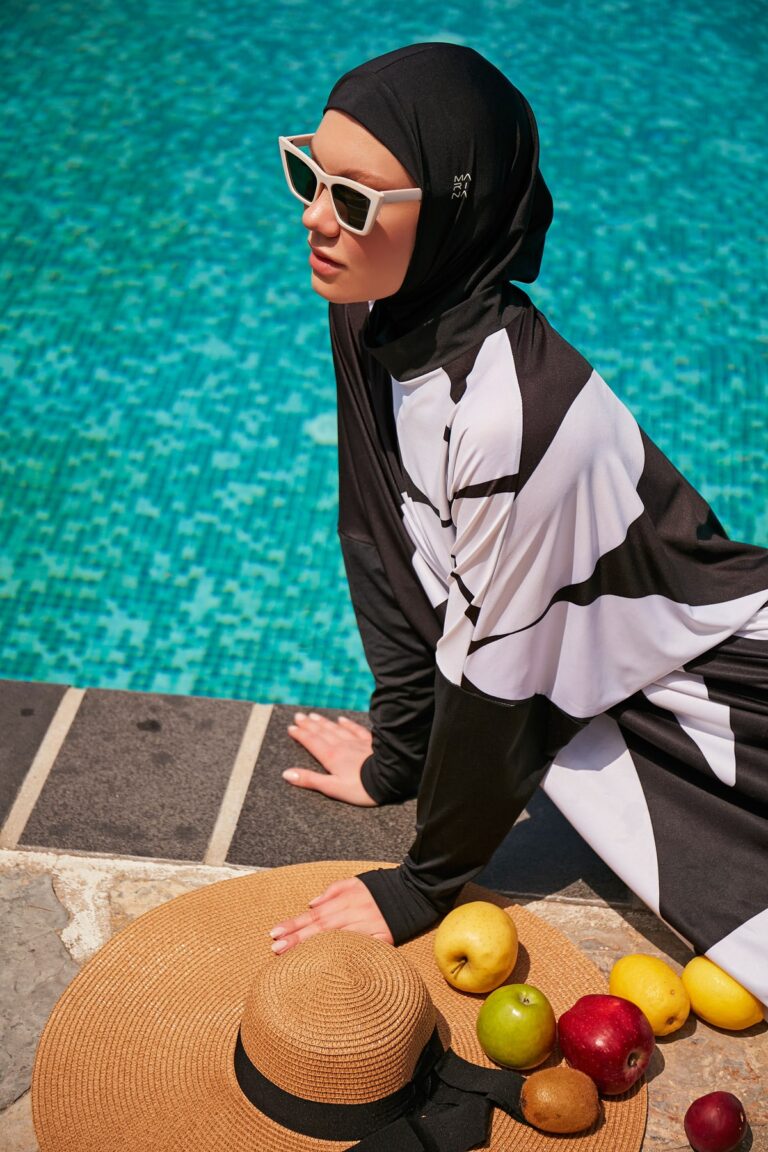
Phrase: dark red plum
x=715 y=1123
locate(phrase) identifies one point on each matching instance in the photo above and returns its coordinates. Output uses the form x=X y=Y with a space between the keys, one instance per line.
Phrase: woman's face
x=364 y=267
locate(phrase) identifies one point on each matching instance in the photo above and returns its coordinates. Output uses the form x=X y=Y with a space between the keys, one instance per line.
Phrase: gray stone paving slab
x=26 y=710
x=280 y=824
x=139 y=774
x=35 y=971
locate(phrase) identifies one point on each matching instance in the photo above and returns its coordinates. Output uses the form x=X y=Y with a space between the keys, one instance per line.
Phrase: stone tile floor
x=113 y=802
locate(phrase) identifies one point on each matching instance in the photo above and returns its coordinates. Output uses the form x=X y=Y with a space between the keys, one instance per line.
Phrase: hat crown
x=340 y=1019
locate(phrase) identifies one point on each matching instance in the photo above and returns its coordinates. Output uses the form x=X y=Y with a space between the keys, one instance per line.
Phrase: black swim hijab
x=469 y=140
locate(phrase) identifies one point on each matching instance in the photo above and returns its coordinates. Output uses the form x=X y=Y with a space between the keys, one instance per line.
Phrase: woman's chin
x=335 y=293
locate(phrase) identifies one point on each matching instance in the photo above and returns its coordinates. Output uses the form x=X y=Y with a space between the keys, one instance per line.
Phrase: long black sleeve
x=485 y=760
x=403 y=667
x=399 y=628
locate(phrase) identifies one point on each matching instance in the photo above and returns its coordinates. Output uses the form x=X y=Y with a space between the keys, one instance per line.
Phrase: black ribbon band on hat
x=446 y=1107
x=334 y=1121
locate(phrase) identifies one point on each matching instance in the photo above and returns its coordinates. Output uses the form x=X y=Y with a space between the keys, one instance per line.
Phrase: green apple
x=516 y=1026
x=476 y=946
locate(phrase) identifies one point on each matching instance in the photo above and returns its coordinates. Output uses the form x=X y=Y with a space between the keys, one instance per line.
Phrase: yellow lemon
x=656 y=989
x=718 y=998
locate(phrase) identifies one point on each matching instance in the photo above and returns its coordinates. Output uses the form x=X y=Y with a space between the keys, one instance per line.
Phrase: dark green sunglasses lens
x=351 y=206
x=302 y=177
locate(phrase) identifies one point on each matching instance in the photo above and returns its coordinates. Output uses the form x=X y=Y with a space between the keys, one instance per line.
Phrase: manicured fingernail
x=315 y=716
x=290 y=774
x=276 y=933
x=300 y=715
x=280 y=946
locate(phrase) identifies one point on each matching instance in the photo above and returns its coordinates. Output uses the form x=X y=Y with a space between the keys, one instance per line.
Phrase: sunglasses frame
x=324 y=179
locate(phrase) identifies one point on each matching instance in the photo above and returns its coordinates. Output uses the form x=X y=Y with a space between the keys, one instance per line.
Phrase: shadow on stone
x=544 y=856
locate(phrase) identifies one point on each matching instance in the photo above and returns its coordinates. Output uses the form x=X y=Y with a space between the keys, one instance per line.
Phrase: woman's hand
x=347 y=904
x=341 y=747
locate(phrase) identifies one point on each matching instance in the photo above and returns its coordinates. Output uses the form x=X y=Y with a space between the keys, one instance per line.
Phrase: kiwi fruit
x=560 y=1100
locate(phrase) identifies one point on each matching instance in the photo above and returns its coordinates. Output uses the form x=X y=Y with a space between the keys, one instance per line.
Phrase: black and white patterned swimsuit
x=542 y=597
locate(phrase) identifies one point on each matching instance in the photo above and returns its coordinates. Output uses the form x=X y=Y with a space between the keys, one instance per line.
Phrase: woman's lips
x=322 y=263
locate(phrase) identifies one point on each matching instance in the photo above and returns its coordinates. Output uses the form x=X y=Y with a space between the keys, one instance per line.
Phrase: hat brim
x=138 y=1051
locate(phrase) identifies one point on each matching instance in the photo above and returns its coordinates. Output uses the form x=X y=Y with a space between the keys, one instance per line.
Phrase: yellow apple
x=476 y=946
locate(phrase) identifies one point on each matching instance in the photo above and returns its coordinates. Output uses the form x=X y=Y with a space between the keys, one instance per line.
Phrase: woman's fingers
x=324 y=745
x=346 y=905
x=314 y=744
x=296 y=924
x=343 y=897
x=341 y=752
x=359 y=730
x=346 y=786
x=308 y=733
x=313 y=724
x=338 y=888
x=337 y=787
x=305 y=778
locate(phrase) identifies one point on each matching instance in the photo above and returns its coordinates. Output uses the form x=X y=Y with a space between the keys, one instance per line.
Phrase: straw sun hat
x=185 y=1033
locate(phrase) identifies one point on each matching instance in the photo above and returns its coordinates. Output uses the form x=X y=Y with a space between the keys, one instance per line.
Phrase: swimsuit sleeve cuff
x=375 y=785
x=406 y=911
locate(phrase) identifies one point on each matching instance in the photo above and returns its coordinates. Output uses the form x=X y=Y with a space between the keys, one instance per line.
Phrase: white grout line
x=37 y=773
x=234 y=796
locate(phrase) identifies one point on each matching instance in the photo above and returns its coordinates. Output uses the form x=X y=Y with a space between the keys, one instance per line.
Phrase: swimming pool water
x=167 y=472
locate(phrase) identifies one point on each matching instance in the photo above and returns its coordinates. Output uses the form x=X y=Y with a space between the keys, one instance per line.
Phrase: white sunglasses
x=356 y=206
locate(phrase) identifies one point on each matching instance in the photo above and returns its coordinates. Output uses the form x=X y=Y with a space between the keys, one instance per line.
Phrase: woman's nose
x=319 y=216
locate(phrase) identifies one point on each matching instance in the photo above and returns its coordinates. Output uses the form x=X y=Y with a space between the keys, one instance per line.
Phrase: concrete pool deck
x=112 y=802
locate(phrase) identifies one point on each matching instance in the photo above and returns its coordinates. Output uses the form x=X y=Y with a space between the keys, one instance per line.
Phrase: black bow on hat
x=446 y=1106
x=456 y=1115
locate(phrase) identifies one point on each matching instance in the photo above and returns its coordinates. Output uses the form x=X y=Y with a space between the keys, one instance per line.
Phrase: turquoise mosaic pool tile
x=167 y=449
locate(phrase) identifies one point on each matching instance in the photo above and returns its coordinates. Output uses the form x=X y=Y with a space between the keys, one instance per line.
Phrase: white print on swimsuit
x=461 y=185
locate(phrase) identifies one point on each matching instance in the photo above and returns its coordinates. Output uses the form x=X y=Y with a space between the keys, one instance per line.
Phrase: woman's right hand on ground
x=341 y=747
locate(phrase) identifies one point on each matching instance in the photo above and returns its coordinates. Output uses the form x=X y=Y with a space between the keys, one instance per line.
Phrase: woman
x=540 y=594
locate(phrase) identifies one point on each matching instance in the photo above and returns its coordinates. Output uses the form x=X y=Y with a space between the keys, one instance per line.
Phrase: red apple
x=609 y=1038
x=715 y=1123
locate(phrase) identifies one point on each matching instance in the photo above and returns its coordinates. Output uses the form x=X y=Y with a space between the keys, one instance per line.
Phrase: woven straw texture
x=137 y=1053
x=342 y=1019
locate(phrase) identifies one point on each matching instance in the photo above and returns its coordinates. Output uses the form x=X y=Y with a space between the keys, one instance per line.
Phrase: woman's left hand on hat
x=346 y=904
